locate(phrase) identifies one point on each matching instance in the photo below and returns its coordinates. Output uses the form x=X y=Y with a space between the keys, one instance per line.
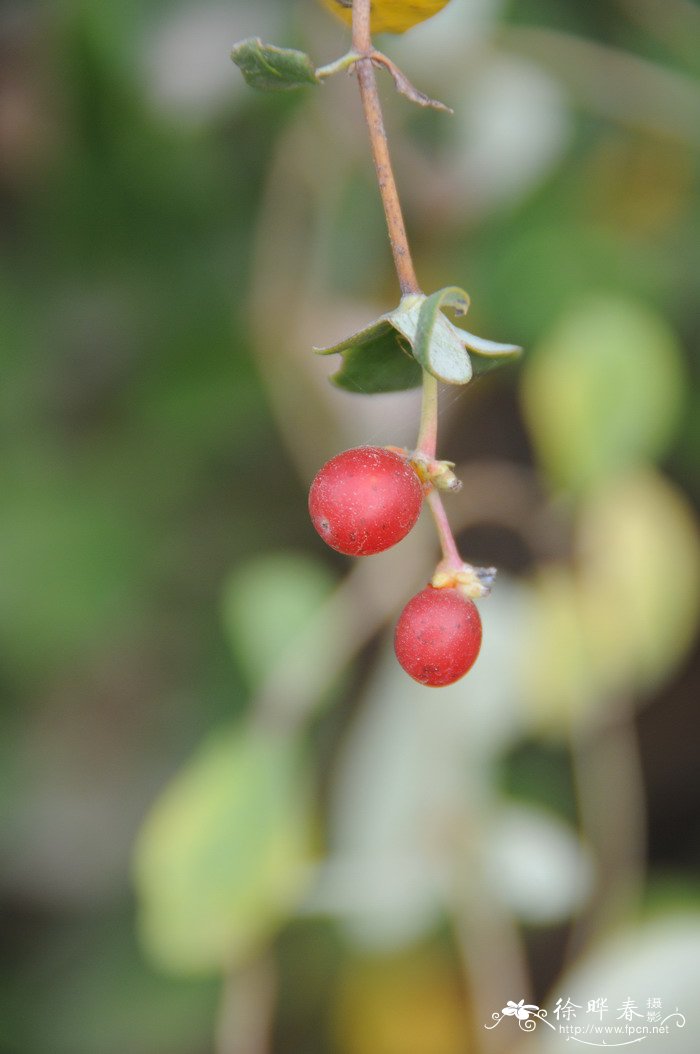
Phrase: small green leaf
x=487 y=355
x=390 y=353
x=269 y=68
x=373 y=332
x=374 y=361
x=437 y=344
x=383 y=366
x=223 y=855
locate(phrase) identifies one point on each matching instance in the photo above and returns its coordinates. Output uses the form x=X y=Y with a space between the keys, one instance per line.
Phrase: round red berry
x=365 y=500
x=438 y=636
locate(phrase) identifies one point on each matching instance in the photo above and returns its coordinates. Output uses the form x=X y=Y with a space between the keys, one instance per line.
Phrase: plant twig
x=362 y=44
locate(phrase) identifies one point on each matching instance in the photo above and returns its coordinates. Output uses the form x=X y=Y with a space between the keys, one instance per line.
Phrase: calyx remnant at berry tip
x=434 y=473
x=471 y=582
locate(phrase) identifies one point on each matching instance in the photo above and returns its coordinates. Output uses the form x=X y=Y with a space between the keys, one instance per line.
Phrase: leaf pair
x=391 y=353
x=269 y=68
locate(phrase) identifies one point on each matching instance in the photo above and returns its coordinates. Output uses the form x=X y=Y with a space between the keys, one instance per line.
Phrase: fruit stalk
x=448 y=545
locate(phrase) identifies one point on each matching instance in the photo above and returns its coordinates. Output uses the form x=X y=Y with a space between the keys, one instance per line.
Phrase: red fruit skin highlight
x=438 y=637
x=365 y=500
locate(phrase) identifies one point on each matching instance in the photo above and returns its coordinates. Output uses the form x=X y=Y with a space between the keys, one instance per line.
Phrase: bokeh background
x=230 y=823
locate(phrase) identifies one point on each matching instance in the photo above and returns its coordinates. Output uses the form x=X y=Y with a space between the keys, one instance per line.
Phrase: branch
x=362 y=45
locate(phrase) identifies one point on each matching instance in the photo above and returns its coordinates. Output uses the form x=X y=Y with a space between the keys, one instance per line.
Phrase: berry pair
x=362 y=502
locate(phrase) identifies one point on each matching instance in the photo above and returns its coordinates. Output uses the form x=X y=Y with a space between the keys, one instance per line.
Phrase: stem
x=448 y=545
x=427 y=437
x=605 y=761
x=427 y=434
x=362 y=44
x=427 y=444
x=343 y=63
x=246 y=1010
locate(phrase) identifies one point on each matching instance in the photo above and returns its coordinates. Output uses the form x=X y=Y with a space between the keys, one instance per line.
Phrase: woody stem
x=403 y=262
x=362 y=45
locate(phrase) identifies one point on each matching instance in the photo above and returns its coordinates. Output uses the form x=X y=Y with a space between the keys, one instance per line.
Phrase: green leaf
x=603 y=393
x=269 y=68
x=487 y=355
x=389 y=354
x=268 y=602
x=374 y=360
x=435 y=344
x=448 y=352
x=222 y=858
x=383 y=366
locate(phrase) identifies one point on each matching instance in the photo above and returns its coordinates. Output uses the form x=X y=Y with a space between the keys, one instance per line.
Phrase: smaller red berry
x=365 y=500
x=438 y=636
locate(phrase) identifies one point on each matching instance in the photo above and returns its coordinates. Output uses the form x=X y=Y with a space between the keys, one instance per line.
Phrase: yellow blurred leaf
x=400 y=1005
x=639 y=580
x=221 y=859
x=620 y=621
x=602 y=394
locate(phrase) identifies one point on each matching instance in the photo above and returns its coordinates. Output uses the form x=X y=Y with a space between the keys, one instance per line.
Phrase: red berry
x=365 y=500
x=438 y=636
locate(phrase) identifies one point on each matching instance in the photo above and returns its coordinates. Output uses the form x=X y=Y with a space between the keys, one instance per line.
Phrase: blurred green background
x=230 y=823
